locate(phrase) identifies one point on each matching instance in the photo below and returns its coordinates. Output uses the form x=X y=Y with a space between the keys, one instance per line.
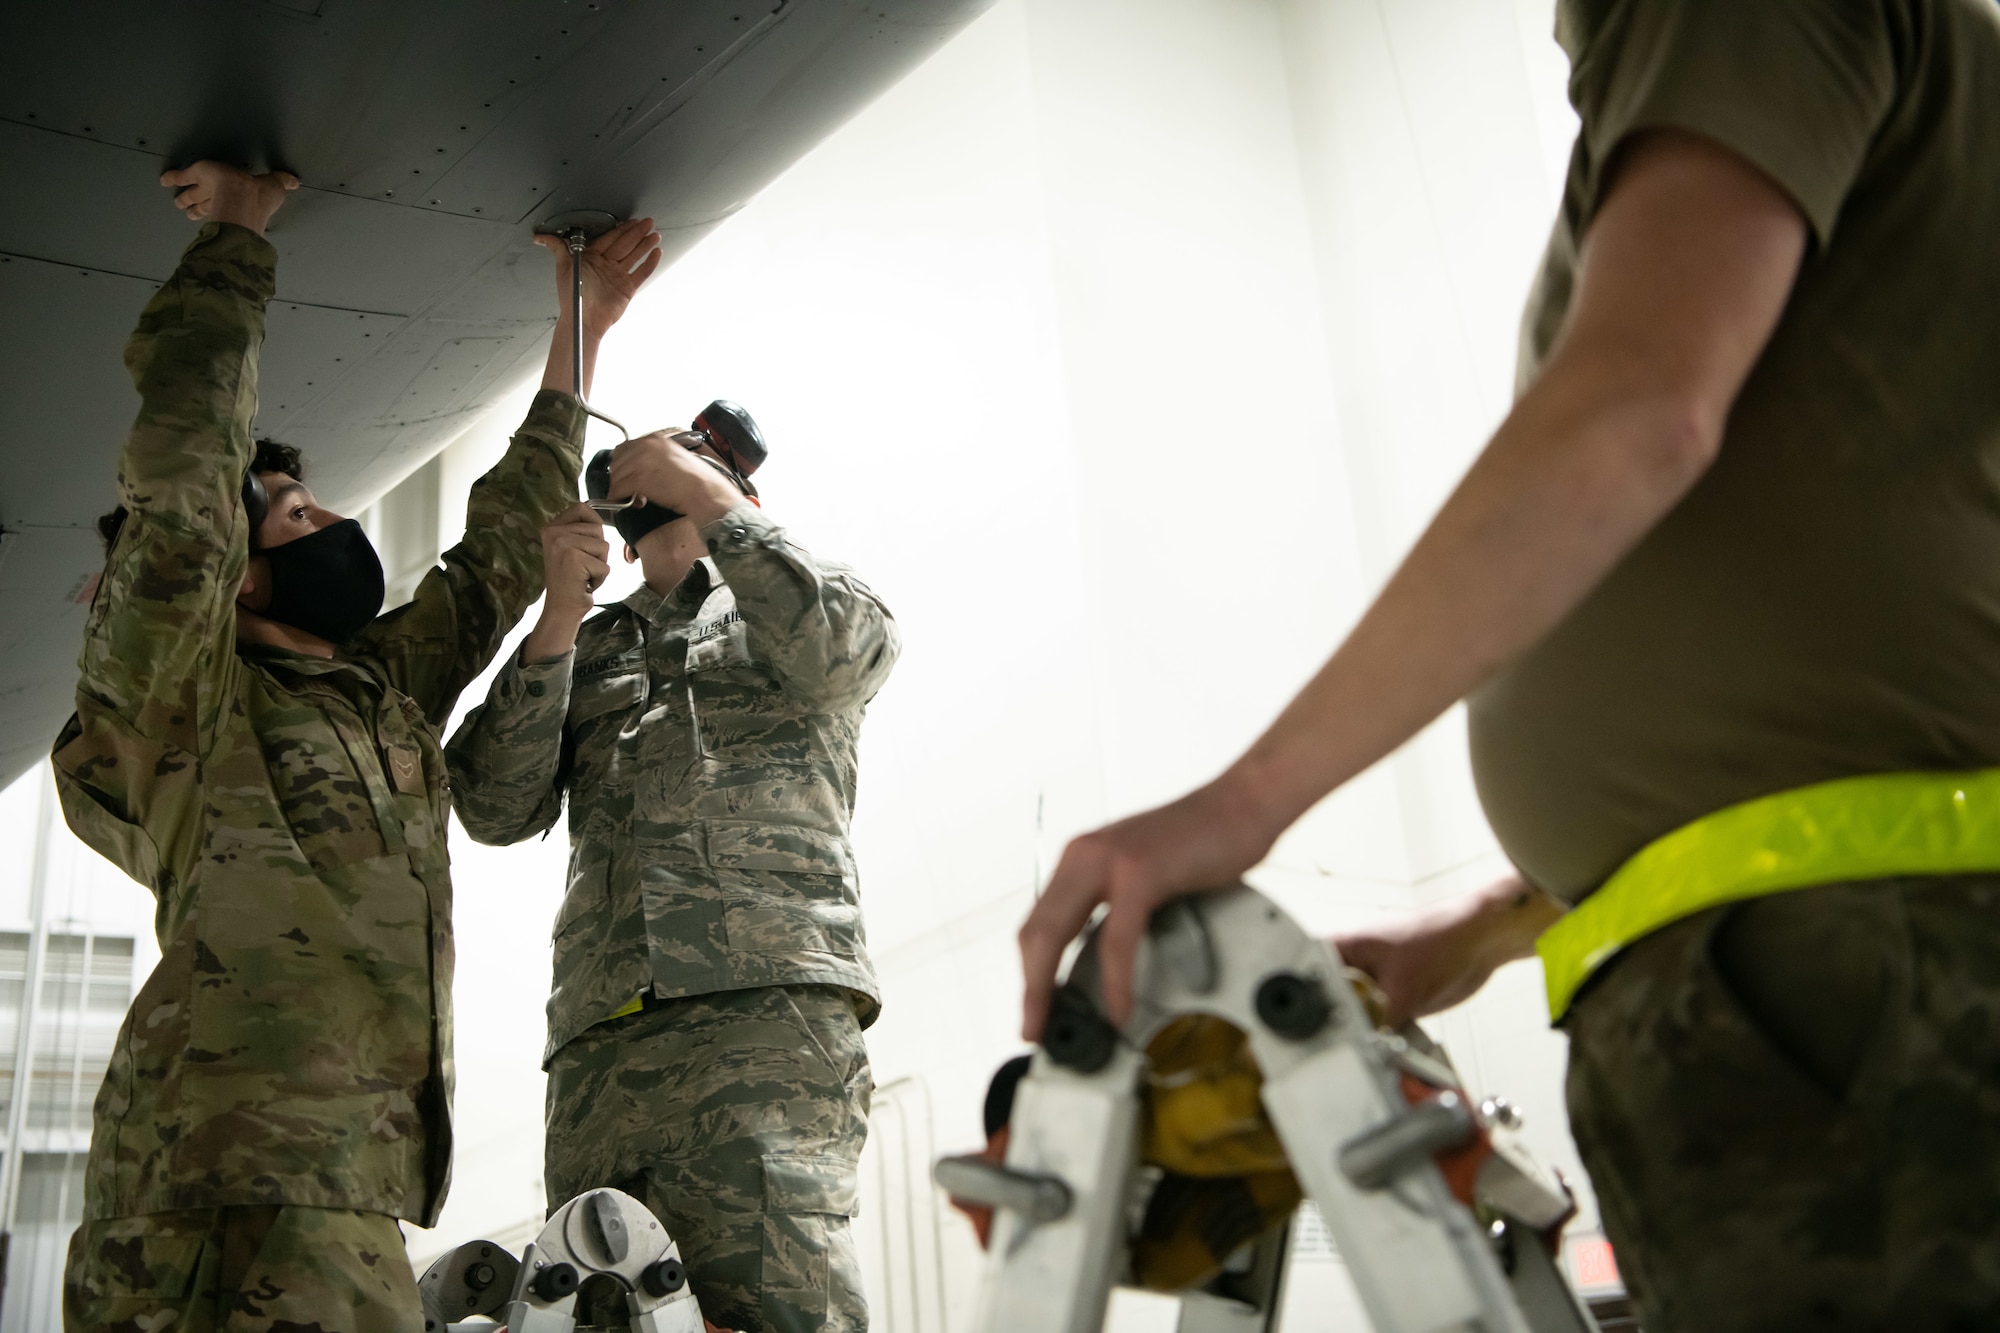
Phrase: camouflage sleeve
x=506 y=757
x=434 y=646
x=158 y=662
x=828 y=638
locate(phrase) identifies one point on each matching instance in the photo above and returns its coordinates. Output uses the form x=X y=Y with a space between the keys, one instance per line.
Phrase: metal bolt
x=1377 y=1156
x=1037 y=1197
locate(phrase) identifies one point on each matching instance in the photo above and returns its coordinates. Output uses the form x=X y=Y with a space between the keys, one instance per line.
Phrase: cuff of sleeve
x=743 y=528
x=538 y=685
x=557 y=418
x=237 y=256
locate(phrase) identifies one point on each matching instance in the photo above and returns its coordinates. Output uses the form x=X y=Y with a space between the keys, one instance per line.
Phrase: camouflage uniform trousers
x=1790 y=1110
x=250 y=1269
x=738 y=1118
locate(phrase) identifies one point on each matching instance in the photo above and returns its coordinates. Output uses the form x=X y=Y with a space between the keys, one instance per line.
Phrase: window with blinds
x=86 y=982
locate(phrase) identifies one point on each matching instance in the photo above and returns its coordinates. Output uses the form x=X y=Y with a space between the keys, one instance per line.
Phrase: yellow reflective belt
x=1872 y=827
x=632 y=1006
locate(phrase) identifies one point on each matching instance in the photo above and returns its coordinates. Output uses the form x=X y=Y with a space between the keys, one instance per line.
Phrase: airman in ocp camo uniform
x=258 y=746
x=711 y=977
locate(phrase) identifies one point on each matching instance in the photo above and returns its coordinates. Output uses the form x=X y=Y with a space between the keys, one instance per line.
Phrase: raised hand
x=575 y=558
x=217 y=192
x=668 y=473
x=615 y=266
x=575 y=562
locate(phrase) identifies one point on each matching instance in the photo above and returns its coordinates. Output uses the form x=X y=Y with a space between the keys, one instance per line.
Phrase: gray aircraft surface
x=431 y=136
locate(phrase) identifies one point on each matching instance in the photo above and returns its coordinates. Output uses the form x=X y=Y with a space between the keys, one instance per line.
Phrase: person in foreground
x=258 y=745
x=712 y=978
x=1723 y=592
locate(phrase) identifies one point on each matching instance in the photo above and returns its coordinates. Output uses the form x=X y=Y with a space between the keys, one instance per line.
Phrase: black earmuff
x=734 y=434
x=256 y=503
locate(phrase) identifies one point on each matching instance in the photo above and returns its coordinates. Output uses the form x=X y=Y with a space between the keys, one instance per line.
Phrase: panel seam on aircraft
x=141 y=277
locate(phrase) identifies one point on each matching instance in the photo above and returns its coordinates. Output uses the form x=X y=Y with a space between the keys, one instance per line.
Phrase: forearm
x=157 y=641
x=553 y=637
x=435 y=646
x=1578 y=473
x=506 y=758
x=192 y=359
x=560 y=373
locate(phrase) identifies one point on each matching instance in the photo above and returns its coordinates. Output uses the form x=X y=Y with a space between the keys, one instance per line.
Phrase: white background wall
x=1124 y=348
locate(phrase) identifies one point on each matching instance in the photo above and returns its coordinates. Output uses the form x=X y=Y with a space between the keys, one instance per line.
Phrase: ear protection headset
x=256 y=503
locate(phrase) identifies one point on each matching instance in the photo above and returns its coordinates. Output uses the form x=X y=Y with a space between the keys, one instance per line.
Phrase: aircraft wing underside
x=430 y=137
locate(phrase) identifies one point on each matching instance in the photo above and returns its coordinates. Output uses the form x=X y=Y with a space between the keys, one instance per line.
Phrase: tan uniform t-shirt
x=1826 y=601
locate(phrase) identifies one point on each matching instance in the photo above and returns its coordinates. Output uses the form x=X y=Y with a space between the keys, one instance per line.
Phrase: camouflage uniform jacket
x=294 y=1043
x=706 y=742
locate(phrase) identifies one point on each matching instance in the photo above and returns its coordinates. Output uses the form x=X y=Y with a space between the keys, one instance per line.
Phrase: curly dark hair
x=274 y=457
x=270 y=456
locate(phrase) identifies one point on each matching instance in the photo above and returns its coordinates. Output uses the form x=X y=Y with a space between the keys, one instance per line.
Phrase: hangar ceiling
x=430 y=137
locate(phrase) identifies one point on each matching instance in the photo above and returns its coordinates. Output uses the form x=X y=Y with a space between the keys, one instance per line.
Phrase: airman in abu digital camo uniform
x=711 y=978
x=258 y=746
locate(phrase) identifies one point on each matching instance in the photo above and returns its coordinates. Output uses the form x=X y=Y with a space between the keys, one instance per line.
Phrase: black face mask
x=327 y=583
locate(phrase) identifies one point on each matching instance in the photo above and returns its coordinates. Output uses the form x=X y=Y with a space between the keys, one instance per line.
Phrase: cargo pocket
x=811 y=1277
x=793 y=929
x=793 y=890
x=1818 y=975
x=125 y=1268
